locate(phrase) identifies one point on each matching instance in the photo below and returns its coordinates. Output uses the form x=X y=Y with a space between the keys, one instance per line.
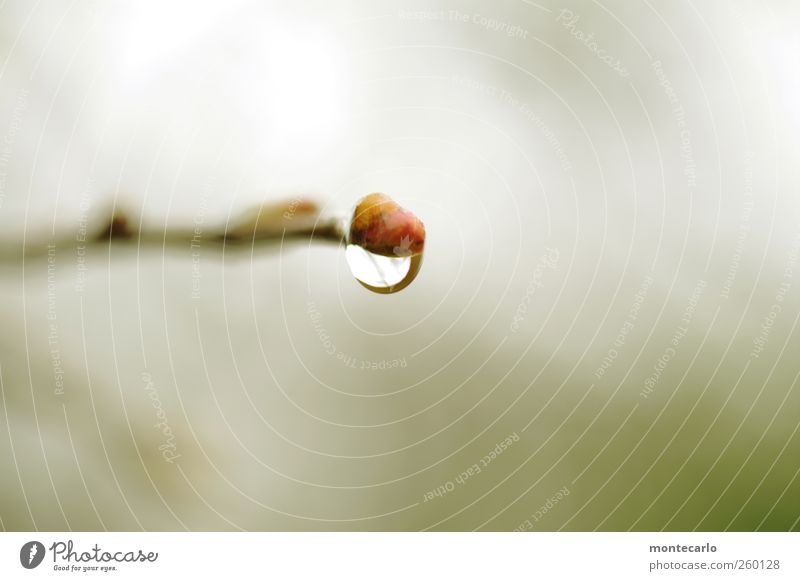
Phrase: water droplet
x=382 y=274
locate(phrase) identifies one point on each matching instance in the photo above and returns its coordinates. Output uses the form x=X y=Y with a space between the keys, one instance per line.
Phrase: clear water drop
x=382 y=274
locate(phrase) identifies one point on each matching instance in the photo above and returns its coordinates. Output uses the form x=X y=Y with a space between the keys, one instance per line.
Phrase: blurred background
x=604 y=332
